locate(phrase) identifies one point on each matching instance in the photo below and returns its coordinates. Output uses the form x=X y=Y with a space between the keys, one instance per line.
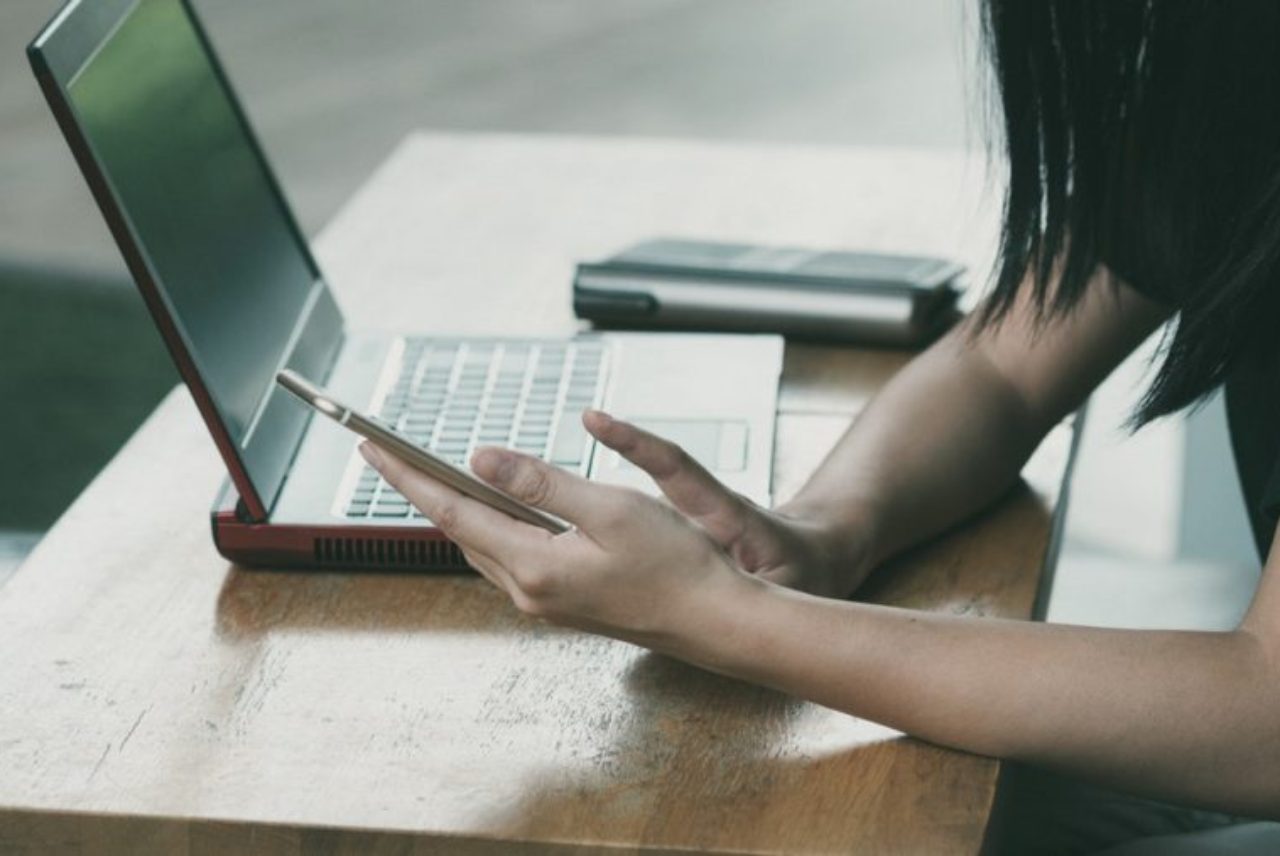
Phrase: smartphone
x=417 y=457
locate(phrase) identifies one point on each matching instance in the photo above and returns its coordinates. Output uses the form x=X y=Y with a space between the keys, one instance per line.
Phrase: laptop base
x=405 y=547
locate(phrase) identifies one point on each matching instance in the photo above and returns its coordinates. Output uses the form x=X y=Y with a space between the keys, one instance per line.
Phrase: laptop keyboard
x=451 y=397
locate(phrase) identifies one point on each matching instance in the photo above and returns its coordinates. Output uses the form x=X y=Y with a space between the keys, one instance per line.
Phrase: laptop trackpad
x=719 y=445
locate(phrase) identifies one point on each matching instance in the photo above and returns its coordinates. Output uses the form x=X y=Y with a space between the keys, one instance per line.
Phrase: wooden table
x=155 y=699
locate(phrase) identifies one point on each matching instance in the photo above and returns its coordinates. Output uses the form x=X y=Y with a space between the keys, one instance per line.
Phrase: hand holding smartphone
x=419 y=458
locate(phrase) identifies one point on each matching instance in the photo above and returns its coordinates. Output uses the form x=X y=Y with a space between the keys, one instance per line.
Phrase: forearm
x=945 y=437
x=952 y=430
x=1191 y=717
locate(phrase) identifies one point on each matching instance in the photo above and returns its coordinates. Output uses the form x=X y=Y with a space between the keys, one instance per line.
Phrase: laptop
x=230 y=281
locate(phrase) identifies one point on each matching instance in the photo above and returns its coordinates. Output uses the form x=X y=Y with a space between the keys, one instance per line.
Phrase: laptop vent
x=388 y=553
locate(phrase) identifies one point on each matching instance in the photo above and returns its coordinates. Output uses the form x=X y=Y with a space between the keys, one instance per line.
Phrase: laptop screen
x=199 y=199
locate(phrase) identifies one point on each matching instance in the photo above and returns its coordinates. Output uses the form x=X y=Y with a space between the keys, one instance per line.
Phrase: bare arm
x=1191 y=717
x=951 y=431
x=1183 y=716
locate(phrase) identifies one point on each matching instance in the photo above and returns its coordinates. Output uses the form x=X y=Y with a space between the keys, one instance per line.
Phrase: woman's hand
x=796 y=550
x=634 y=567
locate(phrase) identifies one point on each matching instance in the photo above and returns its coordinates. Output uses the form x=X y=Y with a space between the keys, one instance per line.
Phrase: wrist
x=724 y=626
x=846 y=536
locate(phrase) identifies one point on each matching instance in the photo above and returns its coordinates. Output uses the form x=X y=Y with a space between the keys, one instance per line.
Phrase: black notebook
x=834 y=295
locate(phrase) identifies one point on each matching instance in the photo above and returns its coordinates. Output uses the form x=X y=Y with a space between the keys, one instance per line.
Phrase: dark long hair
x=1144 y=135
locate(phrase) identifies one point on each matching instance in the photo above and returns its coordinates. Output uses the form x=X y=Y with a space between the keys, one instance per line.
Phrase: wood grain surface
x=155 y=699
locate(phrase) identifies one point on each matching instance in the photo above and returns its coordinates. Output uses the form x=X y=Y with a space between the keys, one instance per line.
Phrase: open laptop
x=228 y=277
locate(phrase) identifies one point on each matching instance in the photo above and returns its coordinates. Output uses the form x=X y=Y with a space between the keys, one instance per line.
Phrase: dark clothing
x=1039 y=812
x=1252 y=391
x=1253 y=413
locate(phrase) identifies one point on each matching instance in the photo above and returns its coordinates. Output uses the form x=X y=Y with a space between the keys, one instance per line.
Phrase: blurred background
x=1156 y=534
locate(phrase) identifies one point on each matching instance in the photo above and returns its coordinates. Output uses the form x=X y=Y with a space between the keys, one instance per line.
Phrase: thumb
x=686 y=483
x=537 y=483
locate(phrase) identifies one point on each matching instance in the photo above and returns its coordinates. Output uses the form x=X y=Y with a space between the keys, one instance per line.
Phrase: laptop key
x=454 y=397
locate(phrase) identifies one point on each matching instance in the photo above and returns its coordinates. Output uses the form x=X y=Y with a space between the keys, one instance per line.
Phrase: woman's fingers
x=465 y=521
x=489 y=568
x=681 y=479
x=542 y=485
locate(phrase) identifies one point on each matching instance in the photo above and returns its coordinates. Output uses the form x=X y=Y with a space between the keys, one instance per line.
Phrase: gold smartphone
x=417 y=457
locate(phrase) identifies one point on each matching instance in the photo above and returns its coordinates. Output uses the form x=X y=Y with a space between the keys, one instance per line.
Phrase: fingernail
x=603 y=417
x=370 y=453
x=504 y=469
x=496 y=466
